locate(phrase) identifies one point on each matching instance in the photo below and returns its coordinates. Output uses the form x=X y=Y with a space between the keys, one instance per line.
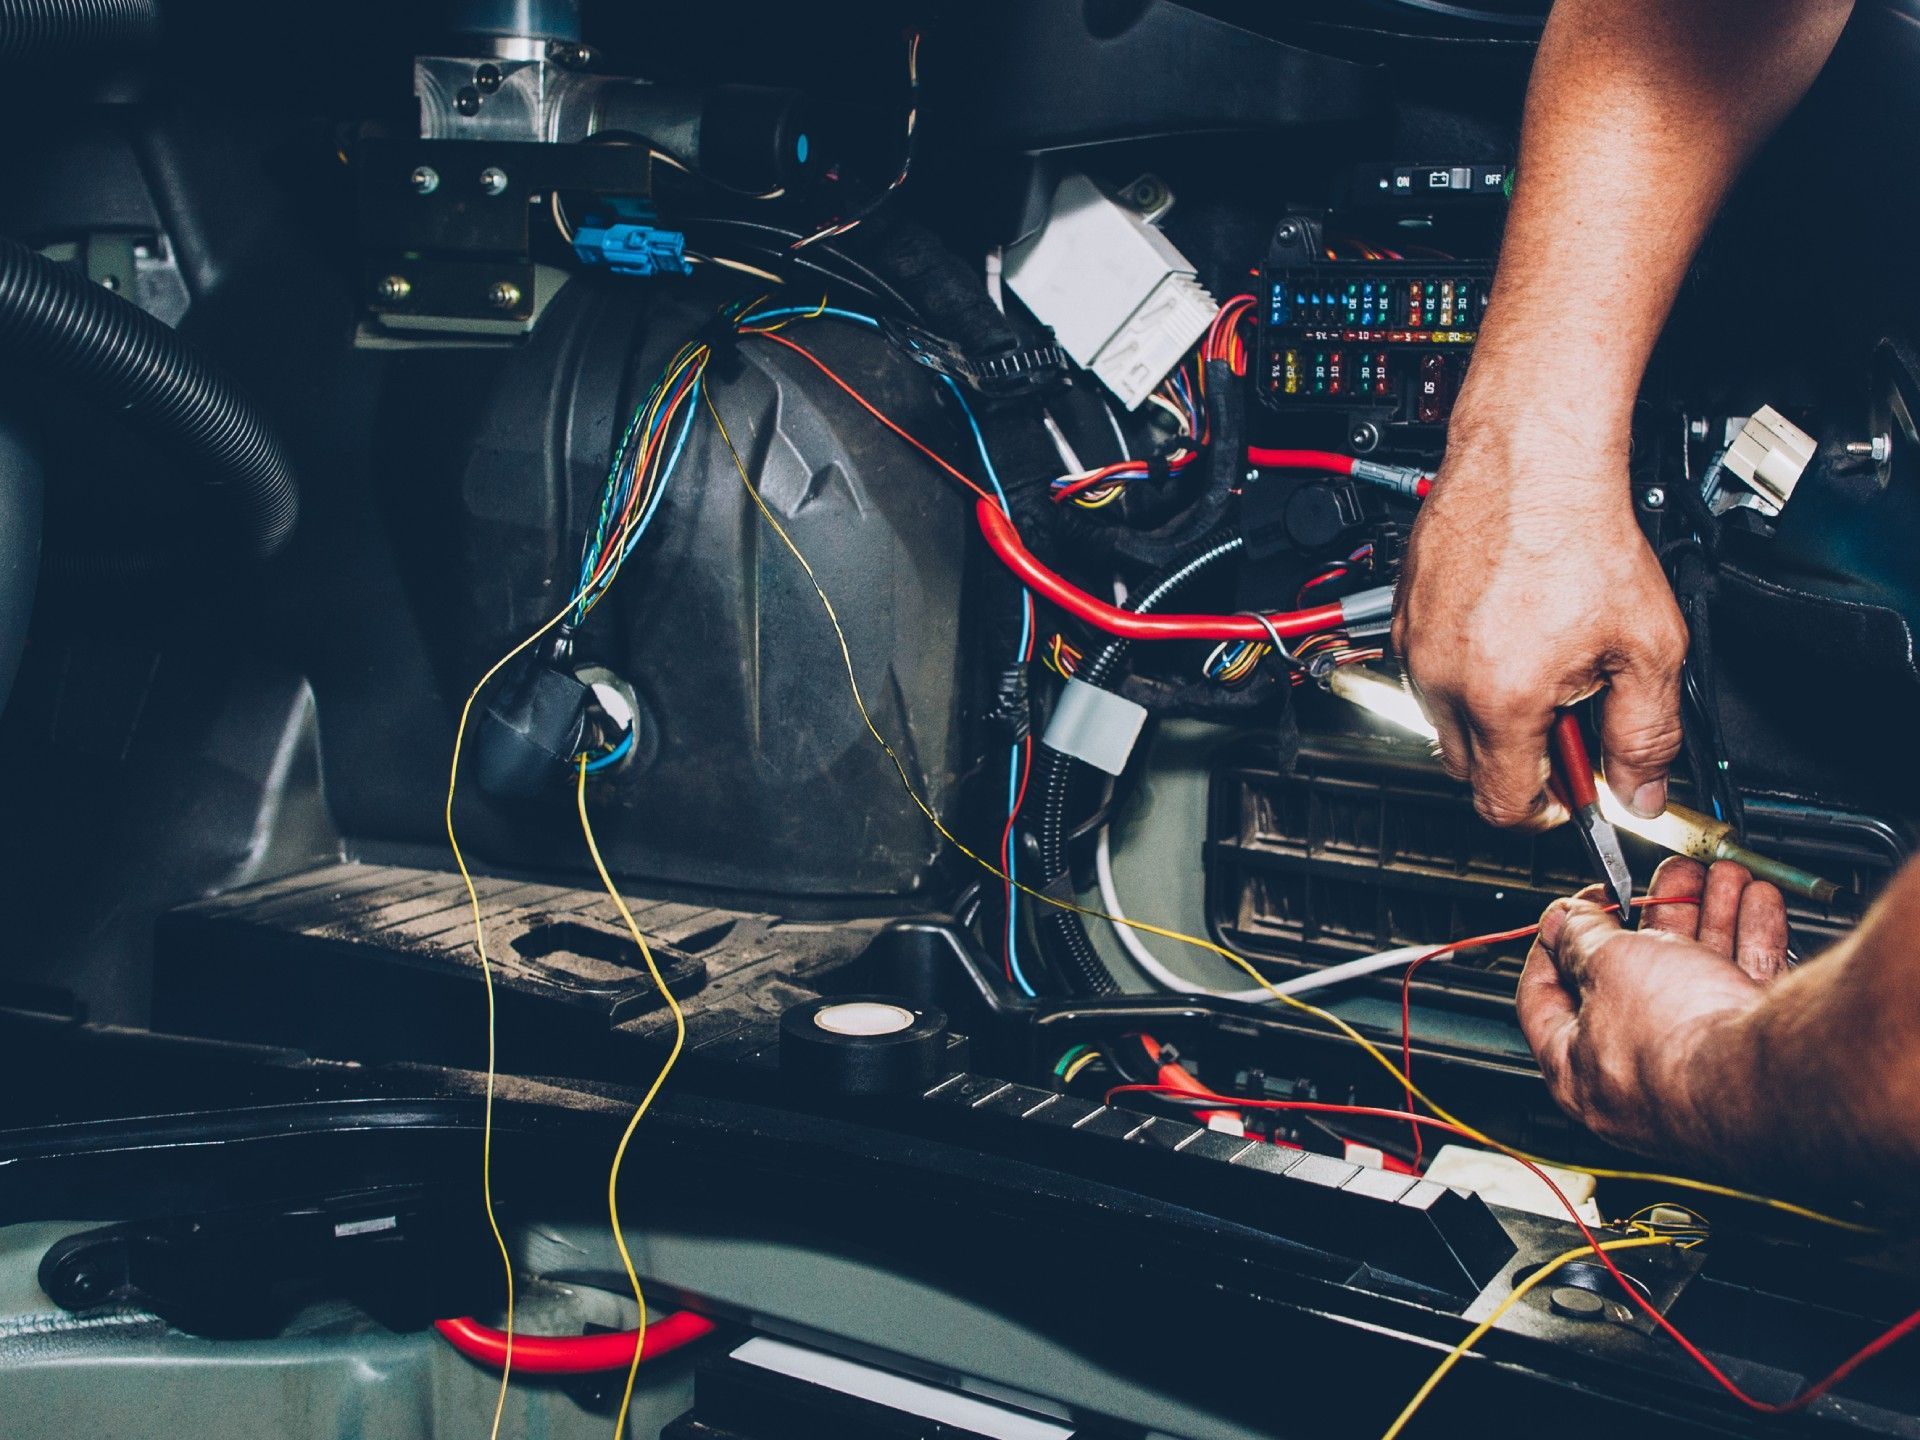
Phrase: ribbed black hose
x=42 y=30
x=54 y=319
x=1062 y=934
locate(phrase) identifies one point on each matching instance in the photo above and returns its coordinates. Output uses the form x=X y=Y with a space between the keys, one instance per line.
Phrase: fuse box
x=1390 y=338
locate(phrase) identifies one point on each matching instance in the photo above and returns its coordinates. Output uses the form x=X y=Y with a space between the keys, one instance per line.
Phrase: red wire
x=1328 y=460
x=1006 y=842
x=1892 y=1335
x=573 y=1354
x=869 y=407
x=1475 y=942
x=1005 y=542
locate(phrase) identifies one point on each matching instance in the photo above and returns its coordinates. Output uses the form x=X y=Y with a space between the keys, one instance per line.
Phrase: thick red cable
x=868 y=406
x=1888 y=1337
x=1330 y=461
x=572 y=1354
x=1005 y=542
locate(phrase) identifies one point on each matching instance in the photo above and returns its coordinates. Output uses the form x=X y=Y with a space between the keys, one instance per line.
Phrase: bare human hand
x=1518 y=598
x=1624 y=1022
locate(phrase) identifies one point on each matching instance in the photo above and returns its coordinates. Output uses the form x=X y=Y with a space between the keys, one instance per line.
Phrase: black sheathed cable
x=1063 y=936
x=57 y=320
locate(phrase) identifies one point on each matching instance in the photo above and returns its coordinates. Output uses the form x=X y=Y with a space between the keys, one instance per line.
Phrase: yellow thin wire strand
x=1519 y=1293
x=640 y=1110
x=1325 y=1017
x=486 y=975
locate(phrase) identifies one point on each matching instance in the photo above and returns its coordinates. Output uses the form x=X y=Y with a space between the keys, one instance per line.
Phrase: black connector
x=532 y=727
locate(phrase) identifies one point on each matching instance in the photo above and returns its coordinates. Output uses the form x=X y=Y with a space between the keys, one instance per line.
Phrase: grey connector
x=1121 y=299
x=1768 y=456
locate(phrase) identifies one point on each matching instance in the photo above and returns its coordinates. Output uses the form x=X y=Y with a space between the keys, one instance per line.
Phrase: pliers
x=1573 y=772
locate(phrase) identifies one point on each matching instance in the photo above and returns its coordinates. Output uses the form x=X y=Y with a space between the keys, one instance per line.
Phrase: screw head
x=467 y=100
x=493 y=180
x=1653 y=497
x=1697 y=428
x=393 y=288
x=1364 y=436
x=424 y=179
x=1287 y=231
x=486 y=79
x=503 y=295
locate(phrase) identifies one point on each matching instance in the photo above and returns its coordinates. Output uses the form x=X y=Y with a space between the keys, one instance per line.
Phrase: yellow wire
x=1520 y=1292
x=1325 y=1017
x=1079 y=1065
x=620 y=1151
x=486 y=975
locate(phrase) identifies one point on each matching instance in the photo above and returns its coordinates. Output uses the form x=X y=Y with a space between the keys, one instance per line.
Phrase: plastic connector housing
x=1122 y=301
x=1769 y=455
x=628 y=248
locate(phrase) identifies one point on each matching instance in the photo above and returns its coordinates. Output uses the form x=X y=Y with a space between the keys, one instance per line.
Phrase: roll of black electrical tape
x=863 y=1044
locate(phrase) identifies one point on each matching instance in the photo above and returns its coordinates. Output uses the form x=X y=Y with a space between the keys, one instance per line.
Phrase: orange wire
x=868 y=406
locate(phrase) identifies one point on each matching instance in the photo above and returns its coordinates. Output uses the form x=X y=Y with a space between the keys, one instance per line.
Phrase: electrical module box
x=1122 y=300
x=1388 y=337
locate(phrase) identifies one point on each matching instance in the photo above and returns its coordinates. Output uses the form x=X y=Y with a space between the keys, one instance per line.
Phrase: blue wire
x=1026 y=636
x=614 y=756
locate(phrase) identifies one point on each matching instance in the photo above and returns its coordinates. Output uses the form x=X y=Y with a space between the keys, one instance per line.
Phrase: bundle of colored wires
x=645 y=459
x=1223 y=340
x=843 y=225
x=1063 y=659
x=1182 y=395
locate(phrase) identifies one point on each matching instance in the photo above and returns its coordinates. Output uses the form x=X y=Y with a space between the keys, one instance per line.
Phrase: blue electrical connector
x=631 y=244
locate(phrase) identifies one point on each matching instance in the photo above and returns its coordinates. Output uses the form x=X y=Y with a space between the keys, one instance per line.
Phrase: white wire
x=1119 y=435
x=1075 y=465
x=1131 y=942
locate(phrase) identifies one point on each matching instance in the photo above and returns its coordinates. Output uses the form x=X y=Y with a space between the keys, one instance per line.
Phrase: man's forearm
x=1823 y=1077
x=1639 y=115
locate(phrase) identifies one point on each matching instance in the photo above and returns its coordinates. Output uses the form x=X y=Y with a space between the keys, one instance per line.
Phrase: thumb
x=1640 y=729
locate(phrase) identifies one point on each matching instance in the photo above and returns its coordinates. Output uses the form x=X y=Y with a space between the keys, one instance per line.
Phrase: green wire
x=1068 y=1058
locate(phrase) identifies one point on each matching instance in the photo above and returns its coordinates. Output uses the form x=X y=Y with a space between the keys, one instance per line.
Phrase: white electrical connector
x=1122 y=301
x=1769 y=456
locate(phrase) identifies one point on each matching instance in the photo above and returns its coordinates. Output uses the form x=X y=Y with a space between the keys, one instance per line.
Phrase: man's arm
x=1528 y=584
x=1690 y=1037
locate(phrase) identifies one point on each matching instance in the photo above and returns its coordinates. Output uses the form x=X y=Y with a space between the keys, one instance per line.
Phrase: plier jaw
x=1573 y=770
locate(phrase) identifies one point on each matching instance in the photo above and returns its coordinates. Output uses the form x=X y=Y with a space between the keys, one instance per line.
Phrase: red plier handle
x=1572 y=762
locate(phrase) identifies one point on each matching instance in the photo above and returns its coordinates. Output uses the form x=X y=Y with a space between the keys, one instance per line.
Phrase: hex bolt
x=1653 y=497
x=486 y=79
x=493 y=180
x=503 y=295
x=1877 y=449
x=393 y=288
x=424 y=179
x=467 y=100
